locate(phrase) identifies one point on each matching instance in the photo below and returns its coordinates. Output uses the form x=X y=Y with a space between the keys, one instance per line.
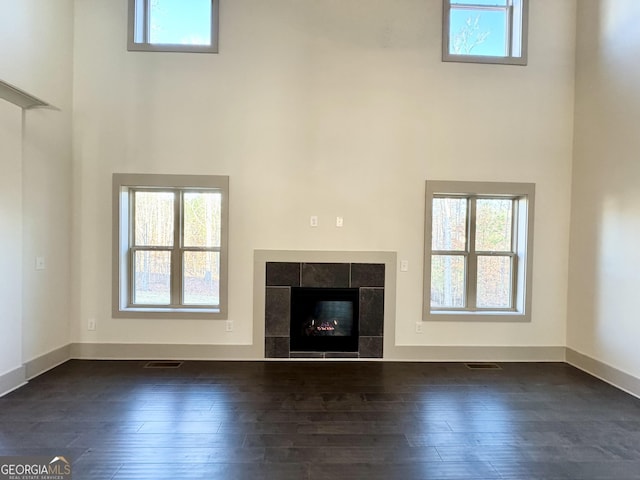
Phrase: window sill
x=172 y=313
x=456 y=58
x=457 y=316
x=179 y=48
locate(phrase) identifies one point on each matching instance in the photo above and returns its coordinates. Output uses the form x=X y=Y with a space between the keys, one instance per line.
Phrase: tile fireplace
x=324 y=310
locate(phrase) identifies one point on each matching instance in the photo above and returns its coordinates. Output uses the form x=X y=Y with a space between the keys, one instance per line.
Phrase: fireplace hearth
x=324 y=310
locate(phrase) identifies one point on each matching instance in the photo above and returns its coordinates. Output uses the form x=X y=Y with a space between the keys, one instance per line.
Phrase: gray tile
x=277 y=311
x=341 y=355
x=283 y=274
x=371 y=312
x=307 y=355
x=370 y=347
x=276 y=347
x=325 y=275
x=367 y=275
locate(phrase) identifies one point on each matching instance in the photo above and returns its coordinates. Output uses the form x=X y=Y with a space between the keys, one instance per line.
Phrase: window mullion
x=176 y=254
x=130 y=243
x=514 y=252
x=146 y=25
x=514 y=226
x=472 y=262
x=132 y=279
x=509 y=29
x=514 y=281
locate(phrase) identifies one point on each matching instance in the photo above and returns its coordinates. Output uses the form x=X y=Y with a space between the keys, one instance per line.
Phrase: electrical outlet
x=313 y=220
x=418 y=327
x=91 y=324
x=404 y=265
x=229 y=326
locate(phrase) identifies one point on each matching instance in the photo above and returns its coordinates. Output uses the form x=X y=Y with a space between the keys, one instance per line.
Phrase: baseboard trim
x=12 y=380
x=46 y=362
x=407 y=353
x=138 y=351
x=145 y=351
x=475 y=354
x=619 y=379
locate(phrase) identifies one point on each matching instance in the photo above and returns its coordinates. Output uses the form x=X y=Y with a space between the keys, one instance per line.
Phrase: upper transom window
x=485 y=31
x=173 y=25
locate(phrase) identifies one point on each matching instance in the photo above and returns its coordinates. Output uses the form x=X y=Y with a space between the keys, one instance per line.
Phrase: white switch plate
x=229 y=326
x=339 y=221
x=91 y=324
x=313 y=220
x=40 y=263
x=418 y=327
x=404 y=265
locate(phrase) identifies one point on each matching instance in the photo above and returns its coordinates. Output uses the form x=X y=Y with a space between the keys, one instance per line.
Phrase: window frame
x=513 y=13
x=523 y=195
x=141 y=7
x=124 y=248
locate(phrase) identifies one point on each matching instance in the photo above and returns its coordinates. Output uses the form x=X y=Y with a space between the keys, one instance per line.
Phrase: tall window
x=478 y=252
x=173 y=25
x=170 y=245
x=485 y=31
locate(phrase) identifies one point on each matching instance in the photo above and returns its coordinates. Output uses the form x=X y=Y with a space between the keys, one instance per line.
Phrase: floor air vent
x=483 y=366
x=163 y=365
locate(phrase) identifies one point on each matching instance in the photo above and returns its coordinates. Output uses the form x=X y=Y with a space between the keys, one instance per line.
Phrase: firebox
x=324 y=319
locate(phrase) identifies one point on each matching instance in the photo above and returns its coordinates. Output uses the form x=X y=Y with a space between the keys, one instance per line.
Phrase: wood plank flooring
x=325 y=420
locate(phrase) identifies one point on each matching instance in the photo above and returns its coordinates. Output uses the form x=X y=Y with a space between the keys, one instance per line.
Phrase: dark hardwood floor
x=325 y=420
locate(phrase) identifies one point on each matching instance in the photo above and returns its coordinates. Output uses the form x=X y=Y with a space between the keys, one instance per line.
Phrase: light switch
x=339 y=221
x=404 y=265
x=40 y=263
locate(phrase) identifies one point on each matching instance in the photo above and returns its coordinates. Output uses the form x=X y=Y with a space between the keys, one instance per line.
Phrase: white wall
x=337 y=107
x=36 y=55
x=603 y=319
x=11 y=234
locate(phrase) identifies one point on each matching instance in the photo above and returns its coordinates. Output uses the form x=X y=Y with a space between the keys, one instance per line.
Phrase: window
x=170 y=246
x=485 y=31
x=173 y=26
x=478 y=252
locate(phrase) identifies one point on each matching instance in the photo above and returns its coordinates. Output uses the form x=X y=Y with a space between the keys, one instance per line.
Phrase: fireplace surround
x=365 y=279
